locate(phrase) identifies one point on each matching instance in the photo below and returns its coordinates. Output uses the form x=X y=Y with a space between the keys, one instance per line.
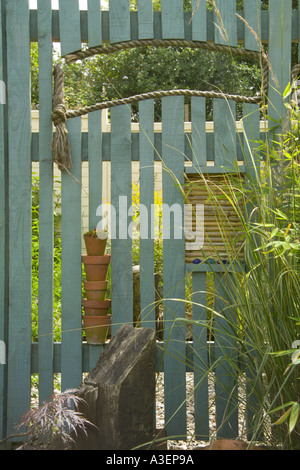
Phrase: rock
x=120 y=392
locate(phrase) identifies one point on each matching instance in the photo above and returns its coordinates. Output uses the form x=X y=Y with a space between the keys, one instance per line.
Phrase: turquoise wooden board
x=252 y=11
x=226 y=357
x=95 y=166
x=225 y=22
x=280 y=25
x=145 y=19
x=95 y=188
x=172 y=19
x=200 y=356
x=147 y=286
x=119 y=21
x=121 y=200
x=198 y=138
x=225 y=133
x=46 y=226
x=71 y=296
x=69 y=23
x=173 y=264
x=3 y=234
x=19 y=194
x=199 y=28
x=94 y=23
x=251 y=124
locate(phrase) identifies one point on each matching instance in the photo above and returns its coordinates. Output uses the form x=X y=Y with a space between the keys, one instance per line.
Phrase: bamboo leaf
x=293 y=416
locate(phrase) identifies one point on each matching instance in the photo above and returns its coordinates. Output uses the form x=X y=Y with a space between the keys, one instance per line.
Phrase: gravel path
x=191 y=442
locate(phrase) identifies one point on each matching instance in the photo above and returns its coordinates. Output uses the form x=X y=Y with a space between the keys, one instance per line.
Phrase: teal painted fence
x=19 y=147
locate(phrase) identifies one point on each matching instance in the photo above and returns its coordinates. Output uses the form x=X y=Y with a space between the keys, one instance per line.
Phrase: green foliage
x=262 y=301
x=107 y=77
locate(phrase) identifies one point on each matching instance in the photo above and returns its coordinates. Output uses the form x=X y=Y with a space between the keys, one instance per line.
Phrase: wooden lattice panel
x=223 y=229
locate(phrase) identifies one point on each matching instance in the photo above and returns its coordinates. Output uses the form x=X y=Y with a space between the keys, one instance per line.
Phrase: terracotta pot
x=96 y=267
x=94 y=246
x=95 y=290
x=96 y=328
x=96 y=307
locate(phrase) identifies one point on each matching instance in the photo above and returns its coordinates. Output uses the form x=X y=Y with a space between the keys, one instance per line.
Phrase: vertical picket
x=199 y=28
x=46 y=226
x=225 y=133
x=19 y=194
x=121 y=201
x=224 y=111
x=173 y=264
x=172 y=19
x=280 y=27
x=147 y=286
x=251 y=137
x=95 y=165
x=69 y=22
x=145 y=19
x=198 y=138
x=200 y=356
x=94 y=23
x=226 y=358
x=95 y=189
x=71 y=268
x=3 y=223
x=252 y=9
x=225 y=22
x=119 y=20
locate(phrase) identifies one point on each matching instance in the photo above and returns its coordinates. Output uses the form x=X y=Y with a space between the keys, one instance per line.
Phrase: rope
x=61 y=151
x=60 y=145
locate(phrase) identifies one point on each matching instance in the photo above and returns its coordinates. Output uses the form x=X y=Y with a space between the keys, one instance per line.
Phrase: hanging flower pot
x=96 y=267
x=96 y=328
x=95 y=290
x=95 y=242
x=96 y=307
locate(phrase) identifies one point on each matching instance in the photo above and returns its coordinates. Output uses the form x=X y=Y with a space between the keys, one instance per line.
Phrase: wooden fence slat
x=252 y=11
x=225 y=22
x=147 y=285
x=200 y=357
x=71 y=296
x=145 y=19
x=3 y=224
x=94 y=23
x=251 y=125
x=198 y=138
x=119 y=21
x=69 y=23
x=95 y=188
x=19 y=194
x=121 y=200
x=46 y=225
x=173 y=264
x=224 y=133
x=280 y=27
x=199 y=28
x=95 y=165
x=226 y=357
x=172 y=19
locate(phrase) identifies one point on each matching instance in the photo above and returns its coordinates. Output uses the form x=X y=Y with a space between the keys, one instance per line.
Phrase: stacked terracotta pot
x=96 y=319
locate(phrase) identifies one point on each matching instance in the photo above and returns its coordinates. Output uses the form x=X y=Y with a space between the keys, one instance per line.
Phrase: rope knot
x=59 y=114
